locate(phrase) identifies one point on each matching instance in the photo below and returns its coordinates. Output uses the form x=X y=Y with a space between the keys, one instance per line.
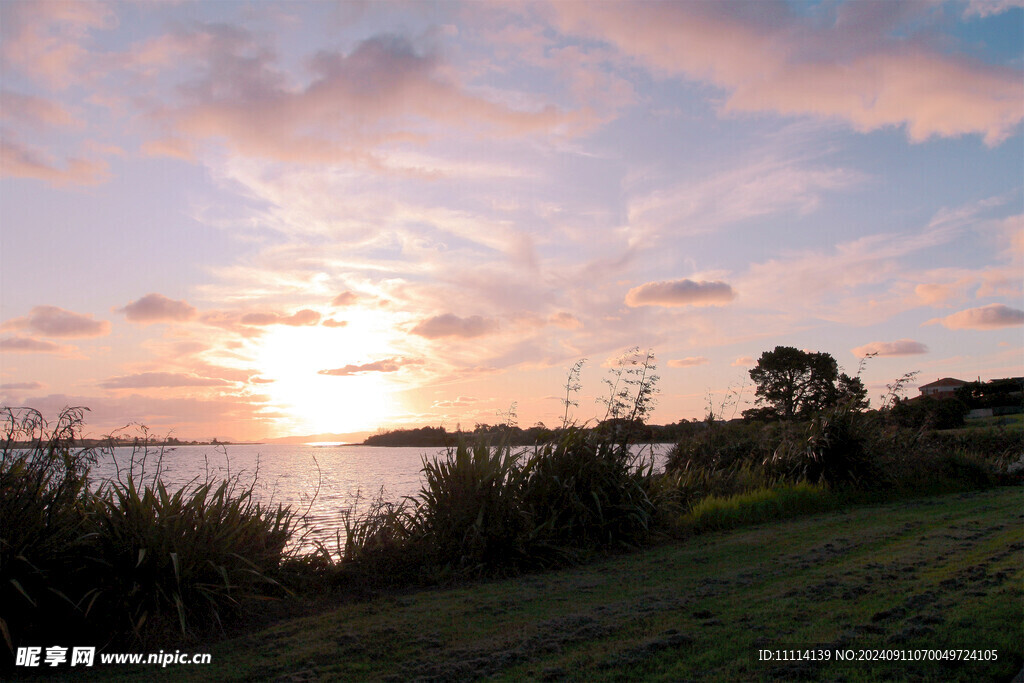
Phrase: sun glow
x=293 y=358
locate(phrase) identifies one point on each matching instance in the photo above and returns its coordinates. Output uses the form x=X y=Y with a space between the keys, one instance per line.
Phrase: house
x=943 y=388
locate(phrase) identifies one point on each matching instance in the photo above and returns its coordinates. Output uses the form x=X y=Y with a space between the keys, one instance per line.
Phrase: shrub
x=835 y=449
x=468 y=512
x=43 y=521
x=485 y=509
x=190 y=555
x=582 y=491
x=101 y=564
x=927 y=412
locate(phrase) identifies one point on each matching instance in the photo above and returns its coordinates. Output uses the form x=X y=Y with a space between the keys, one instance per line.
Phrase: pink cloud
x=21 y=386
x=44 y=39
x=935 y=294
x=386 y=365
x=51 y=321
x=900 y=347
x=458 y=402
x=744 y=362
x=680 y=293
x=565 y=320
x=344 y=299
x=450 y=325
x=148 y=380
x=331 y=322
x=989 y=317
x=223 y=416
x=767 y=186
x=298 y=319
x=21 y=161
x=27 y=345
x=689 y=362
x=385 y=91
x=157 y=308
x=35 y=112
x=857 y=68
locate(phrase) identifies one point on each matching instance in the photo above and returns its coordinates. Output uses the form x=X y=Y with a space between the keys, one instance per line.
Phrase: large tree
x=793 y=383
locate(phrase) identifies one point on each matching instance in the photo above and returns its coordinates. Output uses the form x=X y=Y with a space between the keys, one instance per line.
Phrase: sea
x=321 y=482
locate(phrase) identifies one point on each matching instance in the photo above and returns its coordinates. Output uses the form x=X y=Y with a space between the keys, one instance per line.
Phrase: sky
x=251 y=220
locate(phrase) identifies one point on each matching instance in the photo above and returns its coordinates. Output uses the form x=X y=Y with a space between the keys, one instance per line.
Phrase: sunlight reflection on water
x=318 y=481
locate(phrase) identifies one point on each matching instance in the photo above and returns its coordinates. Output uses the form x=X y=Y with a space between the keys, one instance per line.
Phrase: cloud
x=51 y=321
x=299 y=319
x=27 y=345
x=23 y=161
x=688 y=362
x=988 y=8
x=458 y=402
x=565 y=320
x=900 y=347
x=988 y=317
x=382 y=93
x=223 y=416
x=21 y=386
x=44 y=39
x=743 y=362
x=148 y=380
x=386 y=365
x=157 y=308
x=938 y=294
x=344 y=299
x=35 y=112
x=858 y=66
x=450 y=325
x=331 y=322
x=769 y=185
x=680 y=293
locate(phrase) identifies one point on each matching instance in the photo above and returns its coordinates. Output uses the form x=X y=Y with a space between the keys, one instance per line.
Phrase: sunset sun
x=295 y=362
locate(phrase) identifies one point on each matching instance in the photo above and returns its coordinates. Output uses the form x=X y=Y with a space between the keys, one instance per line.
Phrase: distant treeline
x=618 y=429
x=129 y=442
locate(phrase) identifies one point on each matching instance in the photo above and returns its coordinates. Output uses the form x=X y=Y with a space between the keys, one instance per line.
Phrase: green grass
x=1015 y=422
x=761 y=505
x=939 y=572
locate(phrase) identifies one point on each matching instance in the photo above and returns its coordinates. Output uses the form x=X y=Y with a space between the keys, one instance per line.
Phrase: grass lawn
x=931 y=573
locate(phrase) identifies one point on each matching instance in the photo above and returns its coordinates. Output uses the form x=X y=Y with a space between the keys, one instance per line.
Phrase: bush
x=469 y=513
x=43 y=522
x=835 y=449
x=109 y=563
x=487 y=509
x=927 y=412
x=583 y=490
x=720 y=447
x=190 y=555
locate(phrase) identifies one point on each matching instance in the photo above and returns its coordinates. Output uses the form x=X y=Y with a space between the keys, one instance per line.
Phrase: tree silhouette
x=792 y=383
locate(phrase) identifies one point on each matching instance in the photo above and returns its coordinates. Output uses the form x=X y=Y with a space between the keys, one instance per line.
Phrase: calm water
x=320 y=481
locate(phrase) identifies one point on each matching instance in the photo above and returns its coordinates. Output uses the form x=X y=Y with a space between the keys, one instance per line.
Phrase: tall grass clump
x=583 y=491
x=125 y=559
x=44 y=523
x=469 y=512
x=834 y=449
x=189 y=555
x=486 y=509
